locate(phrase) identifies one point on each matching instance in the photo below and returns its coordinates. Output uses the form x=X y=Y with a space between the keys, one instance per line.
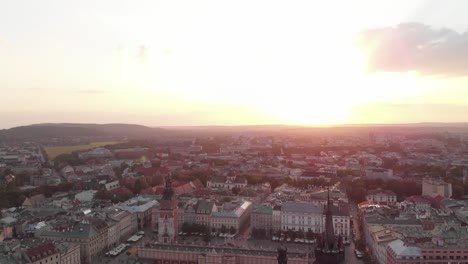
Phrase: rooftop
x=295 y=207
x=228 y=250
x=401 y=250
x=263 y=209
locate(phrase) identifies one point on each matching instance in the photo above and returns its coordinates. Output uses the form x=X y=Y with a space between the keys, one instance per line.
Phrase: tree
x=232 y=230
x=223 y=229
x=236 y=190
x=140 y=185
x=186 y=228
x=103 y=195
x=254 y=232
x=207 y=237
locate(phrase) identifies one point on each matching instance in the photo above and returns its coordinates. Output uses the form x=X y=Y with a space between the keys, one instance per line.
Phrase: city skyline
x=245 y=63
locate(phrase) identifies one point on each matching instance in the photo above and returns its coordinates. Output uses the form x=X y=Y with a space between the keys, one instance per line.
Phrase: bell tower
x=330 y=248
x=168 y=222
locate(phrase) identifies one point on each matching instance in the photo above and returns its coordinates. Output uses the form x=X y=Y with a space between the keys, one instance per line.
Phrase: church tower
x=330 y=248
x=168 y=222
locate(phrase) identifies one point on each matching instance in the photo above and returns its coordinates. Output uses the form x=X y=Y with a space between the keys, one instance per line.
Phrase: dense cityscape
x=245 y=195
x=233 y=132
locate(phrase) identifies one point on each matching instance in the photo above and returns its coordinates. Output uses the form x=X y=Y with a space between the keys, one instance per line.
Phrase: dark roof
x=203 y=205
x=240 y=180
x=218 y=179
x=77 y=231
x=263 y=209
x=377 y=191
x=341 y=210
x=41 y=252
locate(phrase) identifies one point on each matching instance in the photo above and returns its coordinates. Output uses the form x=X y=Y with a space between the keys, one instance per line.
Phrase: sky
x=165 y=63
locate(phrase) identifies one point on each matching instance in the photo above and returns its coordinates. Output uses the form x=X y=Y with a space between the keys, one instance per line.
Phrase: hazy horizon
x=185 y=63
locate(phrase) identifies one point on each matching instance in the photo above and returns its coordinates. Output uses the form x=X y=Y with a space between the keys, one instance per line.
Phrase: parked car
x=359 y=254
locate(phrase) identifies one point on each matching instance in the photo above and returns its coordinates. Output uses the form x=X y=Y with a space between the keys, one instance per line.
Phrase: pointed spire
x=168 y=191
x=329 y=203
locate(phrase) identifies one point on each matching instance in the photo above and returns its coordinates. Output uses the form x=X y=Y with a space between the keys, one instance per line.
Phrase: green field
x=53 y=152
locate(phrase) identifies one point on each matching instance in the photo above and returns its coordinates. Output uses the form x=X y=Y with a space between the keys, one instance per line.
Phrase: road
x=349 y=250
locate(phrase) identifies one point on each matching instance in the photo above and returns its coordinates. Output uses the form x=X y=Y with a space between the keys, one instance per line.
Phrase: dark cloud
x=415 y=47
x=91 y=91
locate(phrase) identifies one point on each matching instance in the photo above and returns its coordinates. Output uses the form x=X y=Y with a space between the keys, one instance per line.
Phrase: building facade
x=262 y=218
x=168 y=222
x=310 y=217
x=184 y=254
x=434 y=188
x=382 y=197
x=227 y=182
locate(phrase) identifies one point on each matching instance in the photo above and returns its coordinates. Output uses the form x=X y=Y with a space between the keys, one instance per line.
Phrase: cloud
x=409 y=112
x=415 y=47
x=91 y=91
x=142 y=53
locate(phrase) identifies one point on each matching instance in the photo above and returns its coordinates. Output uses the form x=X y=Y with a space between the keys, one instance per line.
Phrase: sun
x=327 y=95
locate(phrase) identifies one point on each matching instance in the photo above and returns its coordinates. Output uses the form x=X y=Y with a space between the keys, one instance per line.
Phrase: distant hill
x=41 y=131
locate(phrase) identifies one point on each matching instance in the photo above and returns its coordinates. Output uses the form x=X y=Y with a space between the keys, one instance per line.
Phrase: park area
x=53 y=152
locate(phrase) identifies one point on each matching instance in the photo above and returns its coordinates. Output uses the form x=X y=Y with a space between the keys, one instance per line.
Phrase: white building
x=379 y=173
x=112 y=185
x=307 y=217
x=383 y=197
x=227 y=182
x=302 y=217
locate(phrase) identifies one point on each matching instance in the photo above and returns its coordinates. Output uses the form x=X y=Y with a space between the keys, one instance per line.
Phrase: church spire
x=329 y=249
x=168 y=191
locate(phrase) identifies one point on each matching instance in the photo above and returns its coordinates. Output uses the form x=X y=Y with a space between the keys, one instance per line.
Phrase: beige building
x=90 y=239
x=69 y=253
x=378 y=237
x=434 y=188
x=126 y=223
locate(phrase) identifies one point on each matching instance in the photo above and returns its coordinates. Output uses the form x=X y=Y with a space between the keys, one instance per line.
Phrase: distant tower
x=168 y=222
x=330 y=248
x=282 y=255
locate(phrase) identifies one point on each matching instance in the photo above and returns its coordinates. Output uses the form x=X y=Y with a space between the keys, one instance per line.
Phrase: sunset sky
x=162 y=63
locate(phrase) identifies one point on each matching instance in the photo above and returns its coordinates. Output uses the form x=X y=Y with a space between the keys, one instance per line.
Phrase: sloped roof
x=263 y=209
x=218 y=179
x=302 y=207
x=41 y=252
x=381 y=191
x=401 y=250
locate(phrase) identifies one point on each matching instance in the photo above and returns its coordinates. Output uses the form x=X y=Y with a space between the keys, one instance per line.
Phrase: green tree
x=232 y=230
x=236 y=190
x=140 y=185
x=206 y=237
x=223 y=229
x=186 y=228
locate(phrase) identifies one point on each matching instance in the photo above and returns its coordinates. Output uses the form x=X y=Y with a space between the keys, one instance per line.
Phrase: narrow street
x=350 y=256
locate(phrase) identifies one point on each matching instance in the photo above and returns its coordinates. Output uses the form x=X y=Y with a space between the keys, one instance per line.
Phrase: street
x=350 y=257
